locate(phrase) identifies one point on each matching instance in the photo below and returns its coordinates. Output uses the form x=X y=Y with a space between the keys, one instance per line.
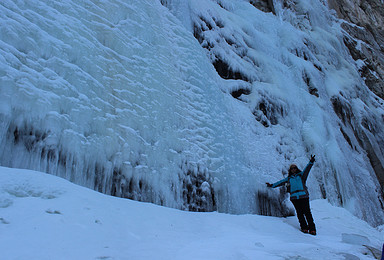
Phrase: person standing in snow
x=299 y=195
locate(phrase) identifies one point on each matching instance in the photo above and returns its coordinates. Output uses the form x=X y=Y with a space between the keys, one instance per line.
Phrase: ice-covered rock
x=190 y=104
x=364 y=36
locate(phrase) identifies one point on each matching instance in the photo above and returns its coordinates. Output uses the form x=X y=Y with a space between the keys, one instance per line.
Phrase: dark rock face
x=263 y=5
x=364 y=37
x=364 y=133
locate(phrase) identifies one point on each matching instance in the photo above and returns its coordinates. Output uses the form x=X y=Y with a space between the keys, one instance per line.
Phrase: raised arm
x=308 y=167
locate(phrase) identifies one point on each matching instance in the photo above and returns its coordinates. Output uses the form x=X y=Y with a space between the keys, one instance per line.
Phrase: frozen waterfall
x=191 y=104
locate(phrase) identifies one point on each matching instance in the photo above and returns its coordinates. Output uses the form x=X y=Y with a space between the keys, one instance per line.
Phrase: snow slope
x=46 y=217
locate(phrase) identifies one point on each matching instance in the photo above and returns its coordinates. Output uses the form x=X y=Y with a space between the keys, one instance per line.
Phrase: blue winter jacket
x=296 y=183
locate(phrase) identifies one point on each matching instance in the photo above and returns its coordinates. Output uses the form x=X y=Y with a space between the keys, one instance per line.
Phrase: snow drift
x=61 y=220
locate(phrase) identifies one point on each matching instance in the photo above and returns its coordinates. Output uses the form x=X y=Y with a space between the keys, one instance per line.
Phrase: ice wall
x=118 y=97
x=188 y=104
x=290 y=68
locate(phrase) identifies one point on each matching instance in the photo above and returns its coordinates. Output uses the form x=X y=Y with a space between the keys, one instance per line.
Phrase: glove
x=268 y=184
x=312 y=160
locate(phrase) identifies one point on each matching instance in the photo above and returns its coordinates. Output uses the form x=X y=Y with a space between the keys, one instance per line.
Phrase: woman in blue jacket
x=299 y=195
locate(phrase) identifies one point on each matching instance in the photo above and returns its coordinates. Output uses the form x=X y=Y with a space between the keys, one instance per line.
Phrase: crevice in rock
x=311 y=88
x=226 y=72
x=342 y=109
x=267 y=112
x=221 y=5
x=264 y=5
x=346 y=137
x=242 y=91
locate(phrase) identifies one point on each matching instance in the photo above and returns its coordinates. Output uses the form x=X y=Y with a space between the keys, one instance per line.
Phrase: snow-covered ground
x=45 y=217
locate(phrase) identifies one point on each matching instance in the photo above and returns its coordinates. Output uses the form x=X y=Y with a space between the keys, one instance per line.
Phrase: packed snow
x=122 y=97
x=46 y=217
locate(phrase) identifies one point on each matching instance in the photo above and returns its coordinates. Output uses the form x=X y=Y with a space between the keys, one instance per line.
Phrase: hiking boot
x=312 y=232
x=306 y=231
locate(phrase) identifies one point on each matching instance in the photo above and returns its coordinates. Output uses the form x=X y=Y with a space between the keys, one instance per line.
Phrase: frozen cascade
x=189 y=104
x=118 y=97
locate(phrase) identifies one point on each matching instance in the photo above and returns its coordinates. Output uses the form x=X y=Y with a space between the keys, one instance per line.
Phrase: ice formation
x=190 y=104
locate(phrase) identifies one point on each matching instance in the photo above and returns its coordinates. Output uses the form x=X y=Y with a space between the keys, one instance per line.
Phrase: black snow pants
x=303 y=212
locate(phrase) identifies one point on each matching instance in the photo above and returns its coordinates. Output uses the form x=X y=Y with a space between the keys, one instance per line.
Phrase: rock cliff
x=364 y=37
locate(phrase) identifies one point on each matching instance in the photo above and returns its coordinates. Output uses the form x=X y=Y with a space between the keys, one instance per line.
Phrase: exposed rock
x=226 y=72
x=264 y=5
x=241 y=91
x=364 y=37
x=366 y=133
x=268 y=112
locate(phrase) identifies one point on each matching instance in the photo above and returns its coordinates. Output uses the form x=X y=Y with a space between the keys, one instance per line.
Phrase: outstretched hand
x=268 y=184
x=312 y=160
